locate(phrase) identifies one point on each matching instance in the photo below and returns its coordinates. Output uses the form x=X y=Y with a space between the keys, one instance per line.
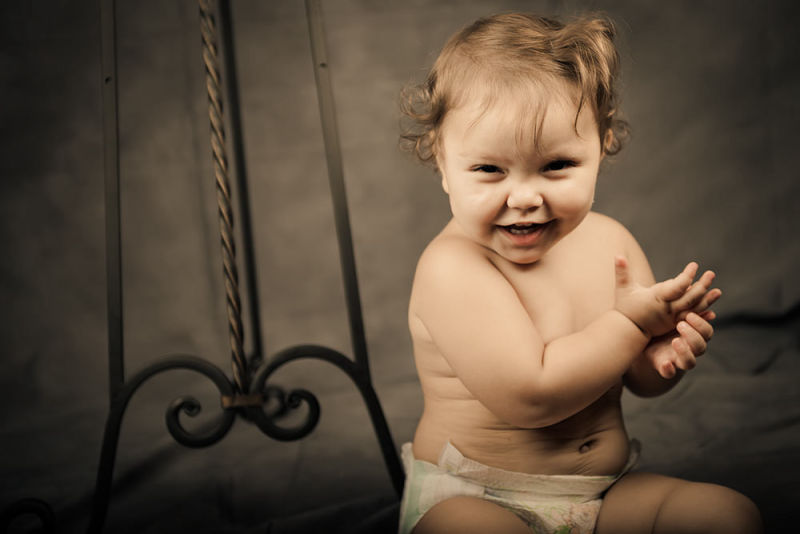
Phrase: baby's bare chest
x=562 y=299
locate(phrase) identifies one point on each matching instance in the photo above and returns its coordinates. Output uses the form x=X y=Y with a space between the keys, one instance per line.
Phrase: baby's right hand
x=657 y=309
x=677 y=351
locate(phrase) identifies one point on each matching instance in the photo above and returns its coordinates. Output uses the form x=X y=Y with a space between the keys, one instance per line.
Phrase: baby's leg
x=645 y=502
x=470 y=515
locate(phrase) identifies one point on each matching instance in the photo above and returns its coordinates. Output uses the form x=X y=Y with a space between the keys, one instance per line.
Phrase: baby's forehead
x=519 y=127
x=525 y=114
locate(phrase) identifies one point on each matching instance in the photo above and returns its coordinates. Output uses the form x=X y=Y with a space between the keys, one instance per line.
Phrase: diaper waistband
x=454 y=462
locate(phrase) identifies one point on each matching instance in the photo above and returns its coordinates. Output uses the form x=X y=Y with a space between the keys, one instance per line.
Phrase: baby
x=529 y=312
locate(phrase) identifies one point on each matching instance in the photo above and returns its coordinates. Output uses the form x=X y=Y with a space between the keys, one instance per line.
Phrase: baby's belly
x=591 y=442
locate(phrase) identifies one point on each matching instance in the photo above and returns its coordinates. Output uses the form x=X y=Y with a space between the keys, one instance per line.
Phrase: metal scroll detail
x=187 y=405
x=360 y=377
x=248 y=394
x=28 y=507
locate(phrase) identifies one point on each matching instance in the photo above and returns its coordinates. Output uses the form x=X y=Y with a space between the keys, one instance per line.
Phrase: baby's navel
x=587 y=446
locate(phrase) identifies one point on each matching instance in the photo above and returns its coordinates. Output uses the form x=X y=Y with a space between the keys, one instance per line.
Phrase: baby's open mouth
x=523 y=229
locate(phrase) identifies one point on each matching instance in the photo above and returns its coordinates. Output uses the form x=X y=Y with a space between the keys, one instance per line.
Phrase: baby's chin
x=525 y=262
x=524 y=258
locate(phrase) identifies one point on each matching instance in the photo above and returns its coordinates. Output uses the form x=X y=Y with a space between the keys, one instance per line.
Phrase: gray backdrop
x=710 y=89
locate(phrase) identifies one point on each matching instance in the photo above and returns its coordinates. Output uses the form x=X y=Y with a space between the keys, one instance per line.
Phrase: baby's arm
x=476 y=319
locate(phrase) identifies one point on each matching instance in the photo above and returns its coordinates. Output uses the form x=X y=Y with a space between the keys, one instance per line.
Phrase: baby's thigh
x=646 y=502
x=470 y=515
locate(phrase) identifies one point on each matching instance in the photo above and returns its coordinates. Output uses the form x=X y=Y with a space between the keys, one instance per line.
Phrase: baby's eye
x=559 y=165
x=489 y=169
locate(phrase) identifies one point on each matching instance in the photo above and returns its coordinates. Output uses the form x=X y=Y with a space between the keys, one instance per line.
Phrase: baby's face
x=504 y=193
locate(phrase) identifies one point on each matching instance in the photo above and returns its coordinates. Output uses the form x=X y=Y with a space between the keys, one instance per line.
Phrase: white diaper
x=550 y=504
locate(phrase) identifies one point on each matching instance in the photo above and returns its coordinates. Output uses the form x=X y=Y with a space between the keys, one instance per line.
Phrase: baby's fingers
x=708 y=299
x=701 y=324
x=666 y=369
x=674 y=288
x=621 y=272
x=696 y=293
x=694 y=338
x=686 y=358
x=708 y=315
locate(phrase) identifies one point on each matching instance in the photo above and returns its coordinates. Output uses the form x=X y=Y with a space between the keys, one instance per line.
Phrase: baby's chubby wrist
x=630 y=321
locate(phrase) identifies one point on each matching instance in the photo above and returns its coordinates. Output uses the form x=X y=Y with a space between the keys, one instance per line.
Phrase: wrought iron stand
x=246 y=395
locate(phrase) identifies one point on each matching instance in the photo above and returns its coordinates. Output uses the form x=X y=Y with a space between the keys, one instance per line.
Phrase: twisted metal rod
x=208 y=33
x=234 y=114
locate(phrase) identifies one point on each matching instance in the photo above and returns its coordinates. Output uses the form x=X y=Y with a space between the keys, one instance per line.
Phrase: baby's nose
x=525 y=197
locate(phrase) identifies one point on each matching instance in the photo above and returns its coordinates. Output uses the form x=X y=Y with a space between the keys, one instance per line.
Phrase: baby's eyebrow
x=562 y=150
x=563 y=142
x=481 y=155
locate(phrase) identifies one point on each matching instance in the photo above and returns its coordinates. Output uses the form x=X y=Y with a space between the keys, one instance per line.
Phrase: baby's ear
x=608 y=142
x=444 y=180
x=437 y=165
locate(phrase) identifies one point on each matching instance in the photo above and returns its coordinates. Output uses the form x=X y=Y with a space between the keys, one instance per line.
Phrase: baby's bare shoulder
x=449 y=252
x=599 y=222
x=600 y=228
x=451 y=265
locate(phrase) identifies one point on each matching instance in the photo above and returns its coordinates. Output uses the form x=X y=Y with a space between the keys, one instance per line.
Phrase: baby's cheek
x=484 y=205
x=575 y=198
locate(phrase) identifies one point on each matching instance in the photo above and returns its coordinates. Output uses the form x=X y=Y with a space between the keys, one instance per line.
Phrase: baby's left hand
x=679 y=349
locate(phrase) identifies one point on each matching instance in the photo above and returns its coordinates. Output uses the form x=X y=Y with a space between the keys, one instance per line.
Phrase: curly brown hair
x=514 y=51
